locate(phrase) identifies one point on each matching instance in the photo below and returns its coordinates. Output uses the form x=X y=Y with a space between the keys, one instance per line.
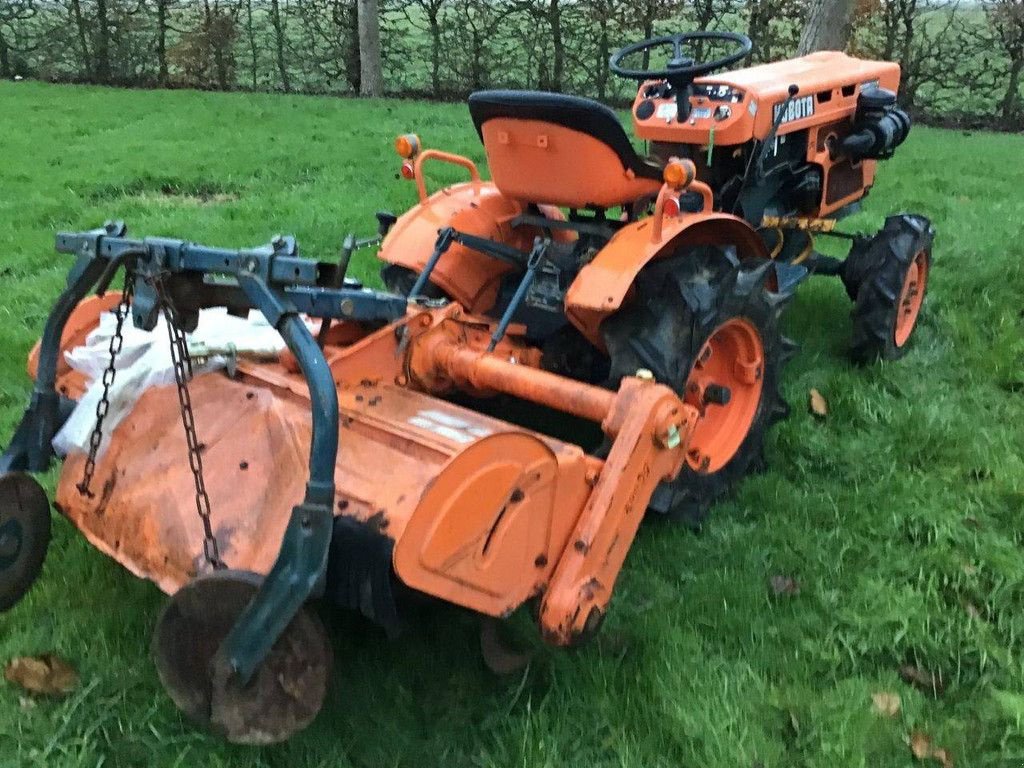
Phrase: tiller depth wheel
x=288 y=689
x=24 y=535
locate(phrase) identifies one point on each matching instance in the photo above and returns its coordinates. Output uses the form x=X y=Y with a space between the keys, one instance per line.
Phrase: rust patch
x=105 y=495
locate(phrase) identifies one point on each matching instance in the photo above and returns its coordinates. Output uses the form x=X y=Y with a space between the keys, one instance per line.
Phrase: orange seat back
x=560 y=150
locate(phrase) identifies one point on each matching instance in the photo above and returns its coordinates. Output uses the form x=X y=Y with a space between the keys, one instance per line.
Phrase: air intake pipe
x=879 y=127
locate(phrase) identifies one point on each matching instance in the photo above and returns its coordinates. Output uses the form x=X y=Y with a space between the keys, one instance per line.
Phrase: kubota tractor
x=404 y=445
x=677 y=263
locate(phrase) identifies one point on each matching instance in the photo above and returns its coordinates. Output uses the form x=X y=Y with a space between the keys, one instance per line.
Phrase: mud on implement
x=406 y=442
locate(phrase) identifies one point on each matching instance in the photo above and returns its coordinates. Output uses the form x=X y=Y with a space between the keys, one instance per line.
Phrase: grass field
x=899 y=514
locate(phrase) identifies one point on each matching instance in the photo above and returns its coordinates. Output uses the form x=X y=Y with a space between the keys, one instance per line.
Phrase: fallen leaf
x=45 y=675
x=784 y=585
x=920 y=745
x=922 y=679
x=885 y=703
x=972 y=610
x=818 y=405
x=922 y=748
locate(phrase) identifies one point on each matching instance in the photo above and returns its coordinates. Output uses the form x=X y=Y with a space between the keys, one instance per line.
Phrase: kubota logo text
x=797 y=109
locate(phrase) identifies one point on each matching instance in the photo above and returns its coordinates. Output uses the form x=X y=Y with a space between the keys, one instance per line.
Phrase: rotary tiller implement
x=403 y=490
x=589 y=335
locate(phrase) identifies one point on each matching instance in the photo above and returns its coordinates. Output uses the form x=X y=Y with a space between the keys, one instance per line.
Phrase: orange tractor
x=589 y=335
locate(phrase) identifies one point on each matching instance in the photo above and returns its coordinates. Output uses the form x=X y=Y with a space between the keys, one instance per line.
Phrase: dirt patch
x=184 y=199
x=165 y=192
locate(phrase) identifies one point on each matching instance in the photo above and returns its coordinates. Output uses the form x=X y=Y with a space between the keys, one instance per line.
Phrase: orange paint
x=911 y=298
x=444 y=157
x=732 y=357
x=822 y=75
x=602 y=285
x=483 y=513
x=470 y=278
x=539 y=162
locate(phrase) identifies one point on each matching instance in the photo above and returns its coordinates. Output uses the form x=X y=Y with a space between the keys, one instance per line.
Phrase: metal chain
x=182 y=374
x=103 y=406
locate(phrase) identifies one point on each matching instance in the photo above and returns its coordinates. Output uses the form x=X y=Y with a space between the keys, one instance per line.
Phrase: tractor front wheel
x=887 y=277
x=707 y=326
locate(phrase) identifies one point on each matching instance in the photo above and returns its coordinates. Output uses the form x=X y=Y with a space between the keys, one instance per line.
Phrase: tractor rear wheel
x=887 y=277
x=401 y=280
x=707 y=326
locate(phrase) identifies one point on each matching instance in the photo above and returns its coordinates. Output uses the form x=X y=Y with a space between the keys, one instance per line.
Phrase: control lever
x=756 y=160
x=385 y=220
x=769 y=140
x=540 y=247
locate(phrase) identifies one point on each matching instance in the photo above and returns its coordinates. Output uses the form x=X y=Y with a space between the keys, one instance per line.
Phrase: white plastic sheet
x=145 y=361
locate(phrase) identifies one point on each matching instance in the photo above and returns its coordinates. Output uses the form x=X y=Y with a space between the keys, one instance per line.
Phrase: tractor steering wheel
x=681 y=70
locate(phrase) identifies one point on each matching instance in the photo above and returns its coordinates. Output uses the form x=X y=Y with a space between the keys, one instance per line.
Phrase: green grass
x=900 y=514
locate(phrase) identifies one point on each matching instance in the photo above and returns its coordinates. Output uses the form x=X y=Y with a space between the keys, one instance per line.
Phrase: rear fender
x=480 y=209
x=604 y=284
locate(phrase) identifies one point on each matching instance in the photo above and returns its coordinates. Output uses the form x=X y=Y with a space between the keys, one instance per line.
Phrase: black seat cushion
x=573 y=112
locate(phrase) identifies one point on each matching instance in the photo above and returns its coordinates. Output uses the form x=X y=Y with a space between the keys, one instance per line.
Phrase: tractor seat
x=549 y=148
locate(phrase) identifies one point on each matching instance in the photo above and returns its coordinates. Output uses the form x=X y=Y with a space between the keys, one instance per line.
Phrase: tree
x=82 y=34
x=328 y=36
x=432 y=11
x=371 y=76
x=603 y=14
x=163 y=9
x=250 y=33
x=827 y=28
x=205 y=53
x=1006 y=19
x=549 y=14
x=101 y=46
x=925 y=37
x=13 y=14
x=279 y=37
x=772 y=25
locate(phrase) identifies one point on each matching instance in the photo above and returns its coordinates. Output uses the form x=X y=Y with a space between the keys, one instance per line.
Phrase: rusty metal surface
x=482 y=513
x=289 y=688
x=395 y=444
